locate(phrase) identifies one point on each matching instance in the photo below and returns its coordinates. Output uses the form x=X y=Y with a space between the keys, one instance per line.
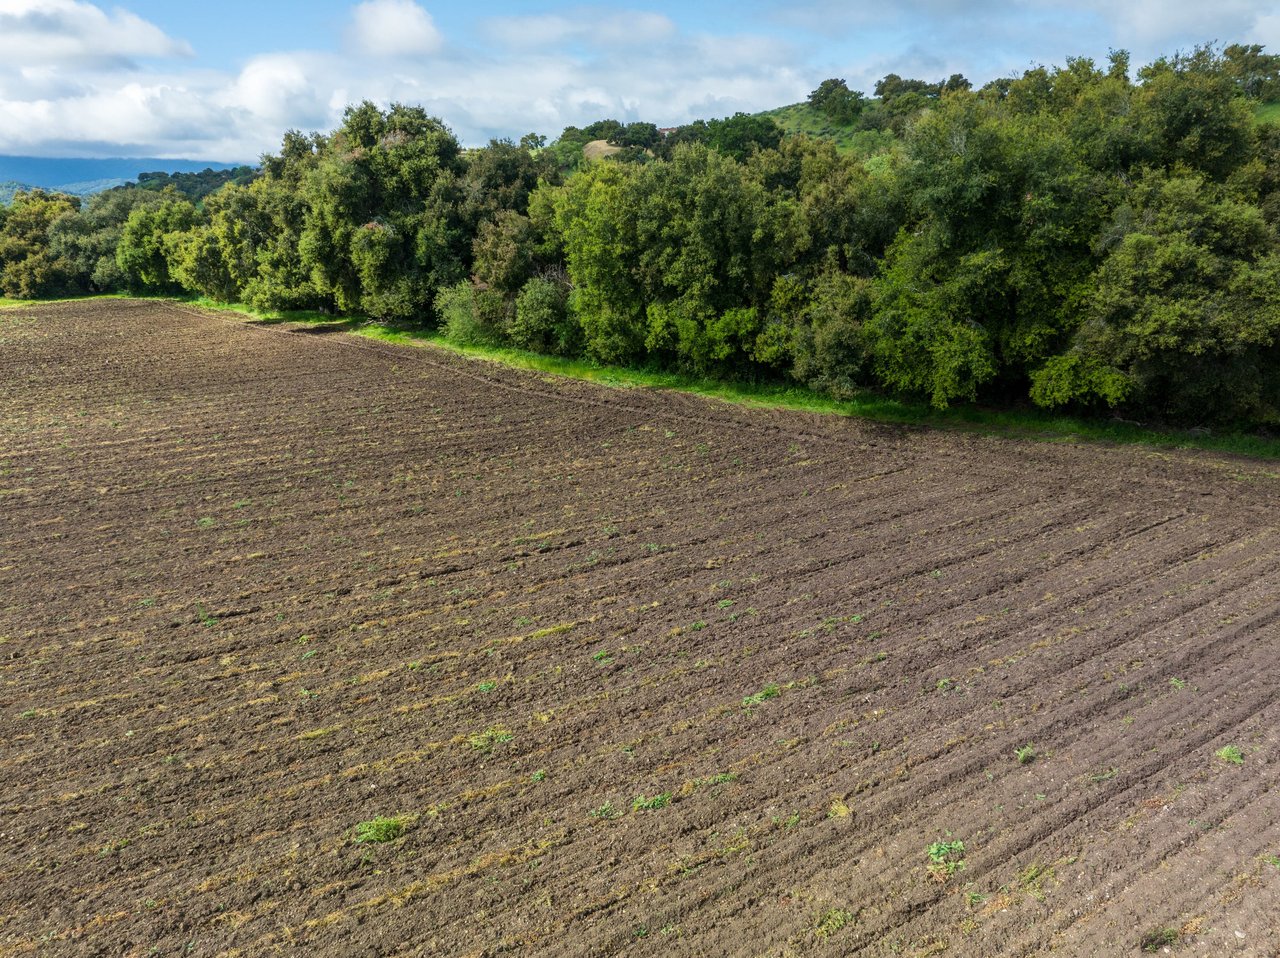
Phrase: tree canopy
x=1077 y=236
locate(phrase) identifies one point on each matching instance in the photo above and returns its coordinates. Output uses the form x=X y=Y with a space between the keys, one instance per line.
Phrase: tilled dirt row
x=640 y=673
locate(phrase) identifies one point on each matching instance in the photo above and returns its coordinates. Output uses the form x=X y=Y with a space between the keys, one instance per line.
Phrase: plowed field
x=635 y=672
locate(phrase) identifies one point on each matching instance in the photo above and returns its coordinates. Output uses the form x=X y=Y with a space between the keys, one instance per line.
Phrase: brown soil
x=257 y=587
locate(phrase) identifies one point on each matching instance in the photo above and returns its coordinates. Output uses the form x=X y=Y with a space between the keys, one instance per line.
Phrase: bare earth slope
x=644 y=673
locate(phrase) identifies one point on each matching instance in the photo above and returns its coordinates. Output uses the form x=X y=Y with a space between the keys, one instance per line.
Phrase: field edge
x=1028 y=425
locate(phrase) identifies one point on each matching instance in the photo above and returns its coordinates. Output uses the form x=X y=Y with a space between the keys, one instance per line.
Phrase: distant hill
x=803 y=118
x=196 y=186
x=193 y=178
x=86 y=177
x=599 y=149
x=8 y=188
x=87 y=188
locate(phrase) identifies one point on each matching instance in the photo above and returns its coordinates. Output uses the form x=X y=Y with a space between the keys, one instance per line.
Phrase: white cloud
x=1157 y=23
x=591 y=25
x=131 y=119
x=72 y=33
x=75 y=80
x=393 y=28
x=281 y=90
x=625 y=64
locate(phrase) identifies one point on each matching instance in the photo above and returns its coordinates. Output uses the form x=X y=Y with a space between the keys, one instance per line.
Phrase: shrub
x=473 y=316
x=544 y=321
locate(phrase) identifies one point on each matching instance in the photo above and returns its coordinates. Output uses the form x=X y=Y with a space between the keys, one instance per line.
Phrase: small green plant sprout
x=539 y=776
x=1230 y=754
x=832 y=921
x=1272 y=860
x=1158 y=938
x=206 y=522
x=642 y=804
x=946 y=685
x=945 y=859
x=770 y=691
x=486 y=686
x=1177 y=684
x=1026 y=754
x=381 y=829
x=484 y=742
x=603 y=657
x=604 y=812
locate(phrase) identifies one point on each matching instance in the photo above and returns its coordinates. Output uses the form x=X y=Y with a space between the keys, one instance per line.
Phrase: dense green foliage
x=194 y=186
x=29 y=265
x=1071 y=237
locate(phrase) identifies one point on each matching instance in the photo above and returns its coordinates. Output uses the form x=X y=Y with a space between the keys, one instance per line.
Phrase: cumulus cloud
x=1156 y=23
x=78 y=80
x=599 y=62
x=393 y=28
x=71 y=33
x=281 y=90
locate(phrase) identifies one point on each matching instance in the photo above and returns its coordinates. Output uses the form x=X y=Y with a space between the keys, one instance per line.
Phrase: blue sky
x=223 y=81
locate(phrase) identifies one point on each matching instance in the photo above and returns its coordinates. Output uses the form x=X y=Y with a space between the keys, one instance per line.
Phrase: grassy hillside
x=802 y=118
x=1268 y=112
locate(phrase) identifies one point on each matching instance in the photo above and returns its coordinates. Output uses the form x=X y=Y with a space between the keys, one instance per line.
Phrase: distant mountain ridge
x=8 y=188
x=81 y=177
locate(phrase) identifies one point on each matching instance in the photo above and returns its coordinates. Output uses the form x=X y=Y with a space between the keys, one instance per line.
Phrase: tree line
x=1070 y=237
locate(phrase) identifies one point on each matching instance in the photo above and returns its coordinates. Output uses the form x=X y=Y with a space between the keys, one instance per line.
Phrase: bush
x=198 y=265
x=40 y=274
x=1184 y=320
x=829 y=343
x=544 y=322
x=473 y=316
